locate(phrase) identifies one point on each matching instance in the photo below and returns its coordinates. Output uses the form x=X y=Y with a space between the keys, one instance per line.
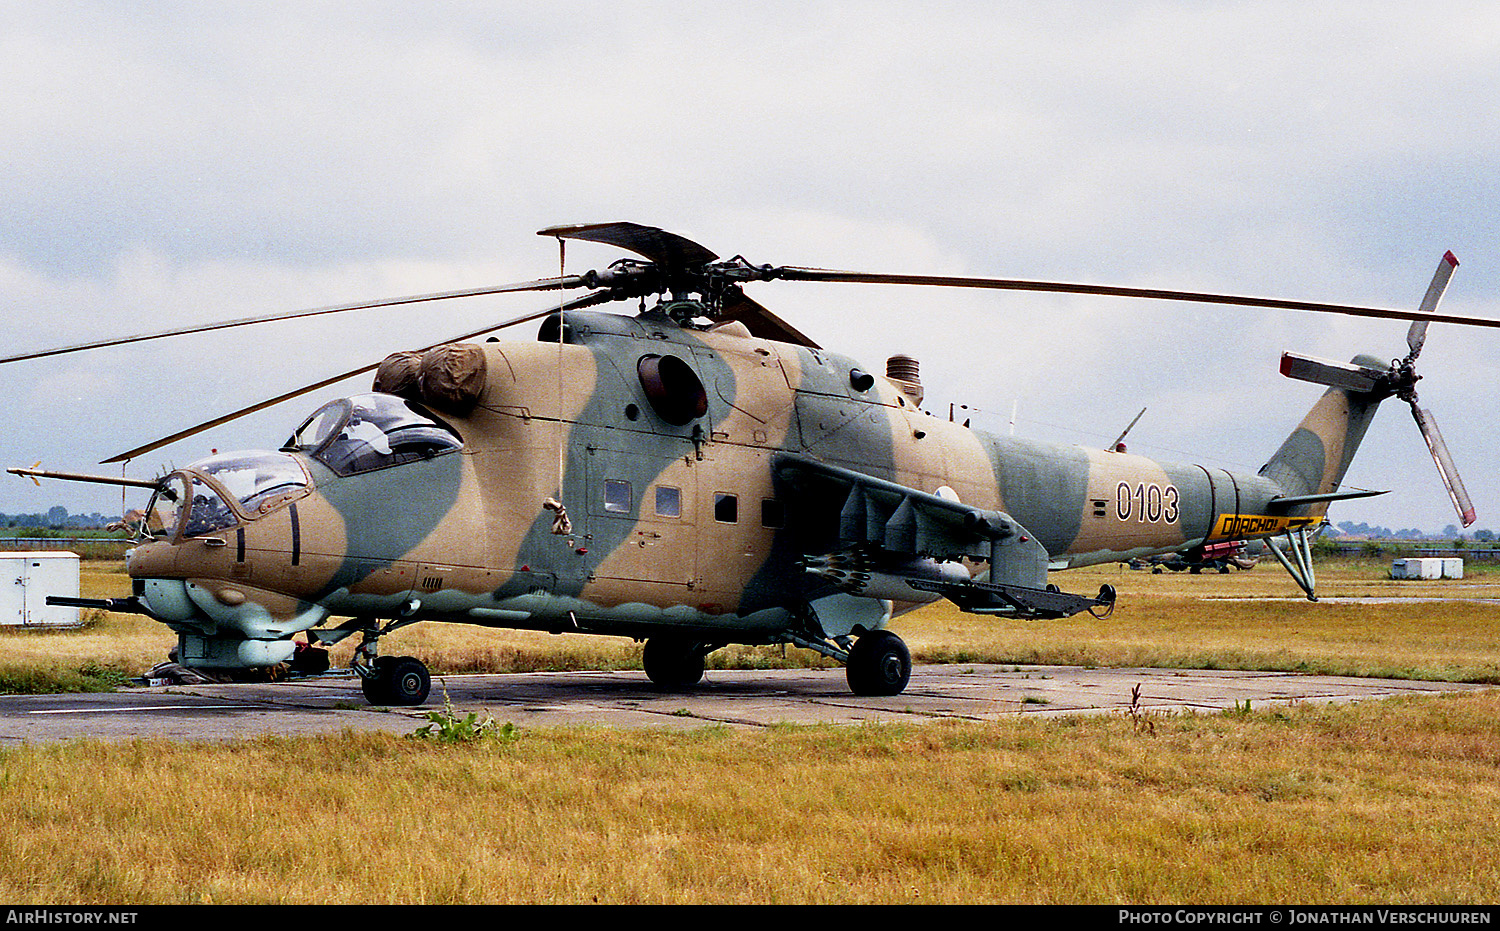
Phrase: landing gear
x=879 y=664
x=673 y=663
x=386 y=680
x=397 y=680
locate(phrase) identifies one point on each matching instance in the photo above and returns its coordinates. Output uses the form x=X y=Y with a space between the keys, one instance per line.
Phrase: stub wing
x=835 y=508
x=913 y=540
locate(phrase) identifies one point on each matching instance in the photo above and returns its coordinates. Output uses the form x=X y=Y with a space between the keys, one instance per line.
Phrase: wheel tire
x=672 y=663
x=376 y=687
x=401 y=680
x=408 y=681
x=879 y=664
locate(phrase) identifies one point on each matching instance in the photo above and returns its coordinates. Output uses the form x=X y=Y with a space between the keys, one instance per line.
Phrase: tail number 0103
x=1146 y=502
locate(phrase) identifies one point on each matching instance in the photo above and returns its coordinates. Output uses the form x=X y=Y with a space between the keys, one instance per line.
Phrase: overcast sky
x=177 y=162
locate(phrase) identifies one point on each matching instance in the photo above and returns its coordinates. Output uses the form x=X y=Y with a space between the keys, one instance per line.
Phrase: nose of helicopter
x=221 y=533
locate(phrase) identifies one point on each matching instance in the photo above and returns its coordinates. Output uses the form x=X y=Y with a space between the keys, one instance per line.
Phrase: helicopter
x=697 y=474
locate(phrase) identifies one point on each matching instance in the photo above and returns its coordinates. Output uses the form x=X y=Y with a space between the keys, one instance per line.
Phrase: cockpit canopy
x=199 y=497
x=372 y=431
x=350 y=435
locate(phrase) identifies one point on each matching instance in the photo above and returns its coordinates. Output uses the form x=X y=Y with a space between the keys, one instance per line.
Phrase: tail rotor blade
x=1446 y=469
x=1416 y=334
x=1332 y=374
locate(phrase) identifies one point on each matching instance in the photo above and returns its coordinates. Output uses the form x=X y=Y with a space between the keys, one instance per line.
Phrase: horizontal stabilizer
x=1292 y=501
x=1332 y=374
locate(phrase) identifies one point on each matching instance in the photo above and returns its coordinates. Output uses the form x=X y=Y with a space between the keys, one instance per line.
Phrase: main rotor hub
x=683 y=312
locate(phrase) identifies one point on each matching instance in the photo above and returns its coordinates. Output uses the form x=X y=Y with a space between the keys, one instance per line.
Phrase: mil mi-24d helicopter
x=699 y=474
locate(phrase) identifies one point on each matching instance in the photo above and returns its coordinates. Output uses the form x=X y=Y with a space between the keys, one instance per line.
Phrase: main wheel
x=673 y=663
x=374 y=686
x=410 y=681
x=401 y=680
x=879 y=664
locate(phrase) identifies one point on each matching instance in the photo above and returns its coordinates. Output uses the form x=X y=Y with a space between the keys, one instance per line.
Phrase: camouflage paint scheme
x=463 y=536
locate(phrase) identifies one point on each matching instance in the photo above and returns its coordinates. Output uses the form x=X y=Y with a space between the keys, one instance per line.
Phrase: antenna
x=1118 y=446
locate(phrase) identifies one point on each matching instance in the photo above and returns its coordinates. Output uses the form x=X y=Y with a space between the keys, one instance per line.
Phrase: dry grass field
x=1392 y=801
x=1385 y=802
x=1244 y=620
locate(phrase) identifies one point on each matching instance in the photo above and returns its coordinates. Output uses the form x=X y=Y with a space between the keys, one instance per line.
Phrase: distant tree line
x=56 y=518
x=1369 y=532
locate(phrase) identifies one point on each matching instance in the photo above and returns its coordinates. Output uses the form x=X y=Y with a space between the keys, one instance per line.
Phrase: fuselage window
x=772 y=513
x=616 y=496
x=668 y=501
x=726 y=508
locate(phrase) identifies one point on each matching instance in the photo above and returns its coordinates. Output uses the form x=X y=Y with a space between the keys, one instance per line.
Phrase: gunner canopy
x=197 y=498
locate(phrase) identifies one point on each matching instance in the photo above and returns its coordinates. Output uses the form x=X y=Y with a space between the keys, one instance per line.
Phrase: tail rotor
x=1399 y=380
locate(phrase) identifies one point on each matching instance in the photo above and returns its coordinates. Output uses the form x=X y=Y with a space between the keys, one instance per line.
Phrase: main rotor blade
x=1416 y=335
x=1446 y=468
x=760 y=321
x=587 y=300
x=541 y=284
x=1066 y=287
x=658 y=245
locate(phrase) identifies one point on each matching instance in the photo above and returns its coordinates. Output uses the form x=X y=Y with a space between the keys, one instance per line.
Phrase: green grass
x=36 y=680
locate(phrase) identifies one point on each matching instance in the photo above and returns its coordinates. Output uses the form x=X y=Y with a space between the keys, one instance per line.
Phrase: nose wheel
x=387 y=680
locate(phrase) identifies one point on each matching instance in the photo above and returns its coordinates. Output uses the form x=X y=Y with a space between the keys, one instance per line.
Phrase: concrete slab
x=736 y=698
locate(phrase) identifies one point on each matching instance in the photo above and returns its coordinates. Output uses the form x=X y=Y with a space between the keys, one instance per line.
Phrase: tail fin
x=1315 y=457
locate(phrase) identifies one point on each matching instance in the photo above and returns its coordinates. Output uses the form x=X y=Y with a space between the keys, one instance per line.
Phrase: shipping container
x=26 y=579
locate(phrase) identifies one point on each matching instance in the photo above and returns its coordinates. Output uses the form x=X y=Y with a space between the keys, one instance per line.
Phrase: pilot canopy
x=372 y=431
